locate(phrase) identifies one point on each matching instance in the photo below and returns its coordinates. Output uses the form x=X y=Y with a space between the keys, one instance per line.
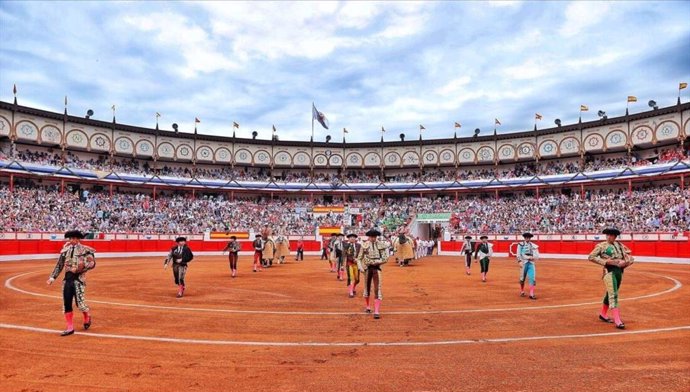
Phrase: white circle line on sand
x=340 y=344
x=9 y=285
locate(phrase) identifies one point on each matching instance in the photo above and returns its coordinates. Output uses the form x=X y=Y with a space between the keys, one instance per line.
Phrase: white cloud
x=200 y=51
x=583 y=15
x=505 y=3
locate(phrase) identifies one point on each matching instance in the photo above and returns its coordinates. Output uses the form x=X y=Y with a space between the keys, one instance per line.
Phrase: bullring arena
x=291 y=328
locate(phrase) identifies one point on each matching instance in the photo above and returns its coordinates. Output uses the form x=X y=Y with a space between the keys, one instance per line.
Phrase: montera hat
x=612 y=231
x=74 y=234
x=373 y=233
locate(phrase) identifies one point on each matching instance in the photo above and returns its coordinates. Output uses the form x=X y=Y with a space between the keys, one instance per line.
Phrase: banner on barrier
x=574 y=237
x=672 y=237
x=329 y=230
x=28 y=236
x=645 y=237
x=548 y=237
x=222 y=235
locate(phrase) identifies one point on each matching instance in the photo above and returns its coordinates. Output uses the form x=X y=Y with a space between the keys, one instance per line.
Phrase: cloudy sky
x=365 y=65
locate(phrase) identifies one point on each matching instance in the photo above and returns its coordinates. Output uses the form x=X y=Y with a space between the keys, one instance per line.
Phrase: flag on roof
x=318 y=116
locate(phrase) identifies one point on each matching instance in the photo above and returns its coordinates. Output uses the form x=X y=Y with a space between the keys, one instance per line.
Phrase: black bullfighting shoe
x=604 y=319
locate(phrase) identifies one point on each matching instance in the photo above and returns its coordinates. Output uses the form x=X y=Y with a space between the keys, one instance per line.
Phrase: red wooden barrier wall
x=26 y=247
x=671 y=249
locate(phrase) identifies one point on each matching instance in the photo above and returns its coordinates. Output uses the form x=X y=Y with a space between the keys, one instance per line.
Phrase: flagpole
x=342 y=161
x=313 y=107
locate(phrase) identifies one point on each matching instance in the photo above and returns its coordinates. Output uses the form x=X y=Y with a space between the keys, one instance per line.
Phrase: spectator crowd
x=30 y=208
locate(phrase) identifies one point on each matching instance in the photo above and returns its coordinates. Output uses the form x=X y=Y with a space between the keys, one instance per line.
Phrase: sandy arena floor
x=292 y=328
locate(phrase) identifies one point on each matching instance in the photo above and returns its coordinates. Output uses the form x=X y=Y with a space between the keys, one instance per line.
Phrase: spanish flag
x=235 y=125
x=632 y=98
x=196 y=120
x=584 y=108
x=537 y=116
x=496 y=121
x=682 y=85
x=457 y=125
x=421 y=127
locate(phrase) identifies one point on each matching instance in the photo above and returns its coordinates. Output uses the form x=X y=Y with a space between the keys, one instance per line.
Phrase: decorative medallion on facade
x=447 y=156
x=548 y=147
x=301 y=158
x=166 y=149
x=593 y=141
x=569 y=145
x=100 y=141
x=124 y=144
x=205 y=152
x=50 y=134
x=320 y=160
x=243 y=155
x=223 y=154
x=525 y=150
x=641 y=134
x=429 y=157
x=484 y=154
x=3 y=124
x=666 y=130
x=335 y=160
x=283 y=157
x=145 y=146
x=506 y=152
x=392 y=158
x=467 y=154
x=185 y=151
x=354 y=159
x=616 y=138
x=328 y=153
x=262 y=157
x=26 y=129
